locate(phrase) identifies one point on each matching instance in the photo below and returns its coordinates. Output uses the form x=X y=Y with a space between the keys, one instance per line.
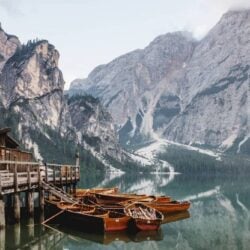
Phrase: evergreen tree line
x=191 y=162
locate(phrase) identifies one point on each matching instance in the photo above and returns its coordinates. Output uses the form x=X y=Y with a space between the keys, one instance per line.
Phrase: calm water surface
x=219 y=218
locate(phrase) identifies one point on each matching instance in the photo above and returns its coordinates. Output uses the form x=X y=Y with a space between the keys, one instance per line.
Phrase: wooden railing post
x=15 y=176
x=77 y=163
x=17 y=209
x=60 y=175
x=39 y=176
x=46 y=172
x=41 y=191
x=66 y=175
x=54 y=174
x=29 y=177
x=71 y=174
x=75 y=174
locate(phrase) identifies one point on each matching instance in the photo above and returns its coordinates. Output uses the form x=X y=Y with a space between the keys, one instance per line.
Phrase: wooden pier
x=30 y=177
x=19 y=173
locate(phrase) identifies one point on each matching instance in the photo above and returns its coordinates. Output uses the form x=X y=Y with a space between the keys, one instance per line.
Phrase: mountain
x=94 y=126
x=42 y=118
x=129 y=86
x=183 y=90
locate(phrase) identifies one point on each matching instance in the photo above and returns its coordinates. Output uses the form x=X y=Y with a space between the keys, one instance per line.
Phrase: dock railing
x=18 y=175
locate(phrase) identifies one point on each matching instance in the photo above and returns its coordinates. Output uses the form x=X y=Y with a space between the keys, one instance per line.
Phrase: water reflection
x=219 y=218
x=35 y=236
x=110 y=237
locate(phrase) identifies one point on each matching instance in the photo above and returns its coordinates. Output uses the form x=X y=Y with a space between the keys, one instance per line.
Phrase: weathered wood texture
x=20 y=176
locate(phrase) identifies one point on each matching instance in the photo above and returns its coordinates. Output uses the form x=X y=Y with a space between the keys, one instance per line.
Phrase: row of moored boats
x=106 y=210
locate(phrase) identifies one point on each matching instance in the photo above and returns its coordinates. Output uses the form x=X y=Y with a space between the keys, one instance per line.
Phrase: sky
x=88 y=33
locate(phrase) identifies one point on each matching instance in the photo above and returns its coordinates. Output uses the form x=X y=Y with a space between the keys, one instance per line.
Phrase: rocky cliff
x=192 y=92
x=33 y=104
x=94 y=126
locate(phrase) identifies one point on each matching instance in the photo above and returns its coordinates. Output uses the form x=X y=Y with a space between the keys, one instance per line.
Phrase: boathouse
x=10 y=148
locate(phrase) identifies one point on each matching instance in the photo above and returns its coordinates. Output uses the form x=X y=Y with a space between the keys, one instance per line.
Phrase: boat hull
x=147 y=225
x=116 y=224
x=170 y=207
x=102 y=198
x=91 y=221
x=144 y=217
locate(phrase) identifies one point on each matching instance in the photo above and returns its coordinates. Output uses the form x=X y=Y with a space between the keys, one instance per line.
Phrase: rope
x=52 y=217
x=106 y=209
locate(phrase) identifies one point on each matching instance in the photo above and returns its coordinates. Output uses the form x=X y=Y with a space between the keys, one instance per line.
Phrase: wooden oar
x=52 y=228
x=52 y=217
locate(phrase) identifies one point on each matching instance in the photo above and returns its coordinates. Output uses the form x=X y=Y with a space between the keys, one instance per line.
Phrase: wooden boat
x=170 y=207
x=91 y=200
x=162 y=198
x=103 y=198
x=152 y=198
x=92 y=219
x=83 y=192
x=145 y=218
x=116 y=222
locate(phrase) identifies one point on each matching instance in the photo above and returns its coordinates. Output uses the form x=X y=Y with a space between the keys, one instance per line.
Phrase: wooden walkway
x=28 y=177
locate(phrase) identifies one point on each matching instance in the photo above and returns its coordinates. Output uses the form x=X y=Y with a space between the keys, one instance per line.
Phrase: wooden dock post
x=9 y=201
x=41 y=199
x=2 y=239
x=31 y=228
x=41 y=191
x=30 y=203
x=29 y=195
x=17 y=209
x=17 y=235
x=2 y=213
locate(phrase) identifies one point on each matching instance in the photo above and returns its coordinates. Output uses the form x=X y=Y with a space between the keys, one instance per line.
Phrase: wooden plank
x=20 y=162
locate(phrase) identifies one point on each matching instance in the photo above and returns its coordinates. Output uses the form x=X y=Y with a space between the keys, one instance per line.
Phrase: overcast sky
x=92 y=32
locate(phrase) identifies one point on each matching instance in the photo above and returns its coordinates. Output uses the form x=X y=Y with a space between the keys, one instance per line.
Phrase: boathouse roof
x=6 y=140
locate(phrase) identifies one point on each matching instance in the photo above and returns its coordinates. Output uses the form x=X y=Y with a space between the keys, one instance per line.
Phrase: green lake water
x=219 y=217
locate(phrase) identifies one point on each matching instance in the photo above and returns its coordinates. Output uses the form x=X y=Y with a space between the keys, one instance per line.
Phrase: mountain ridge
x=181 y=89
x=33 y=104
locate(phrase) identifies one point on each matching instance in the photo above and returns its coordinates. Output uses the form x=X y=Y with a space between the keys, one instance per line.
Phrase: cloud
x=11 y=7
x=229 y=4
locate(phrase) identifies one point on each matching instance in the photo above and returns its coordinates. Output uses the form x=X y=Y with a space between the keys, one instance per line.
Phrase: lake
x=219 y=217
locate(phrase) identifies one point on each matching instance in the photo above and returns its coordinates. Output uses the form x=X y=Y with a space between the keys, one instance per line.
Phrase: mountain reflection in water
x=219 y=218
